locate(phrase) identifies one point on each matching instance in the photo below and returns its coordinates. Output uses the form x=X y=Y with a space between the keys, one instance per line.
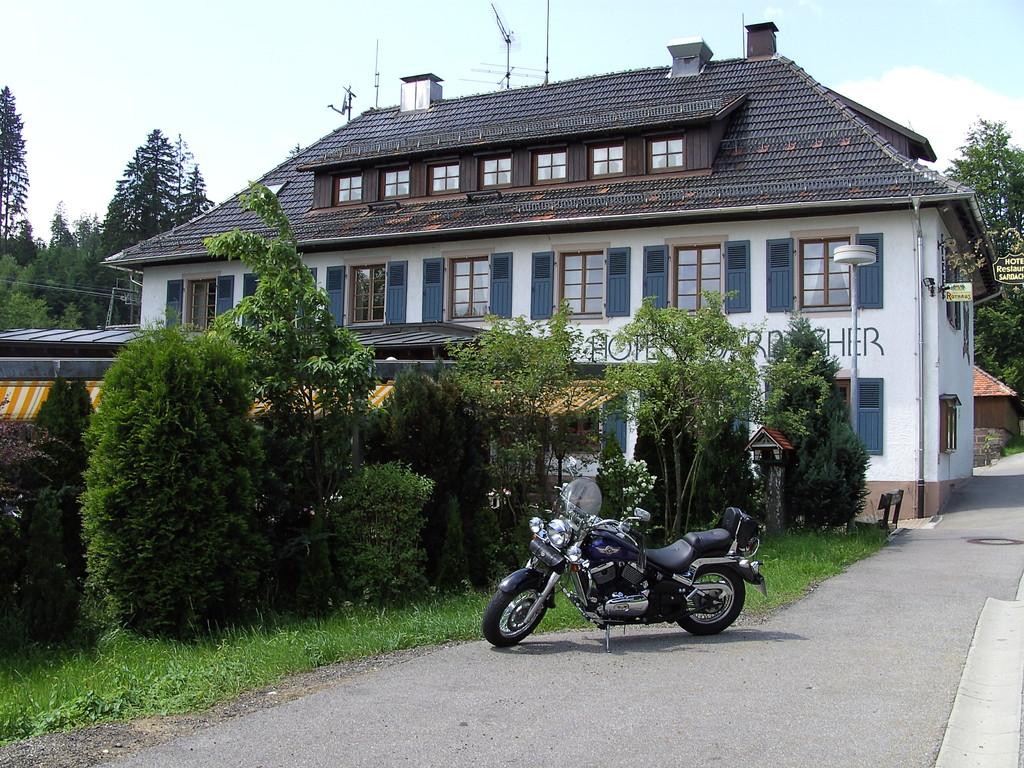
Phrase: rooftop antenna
x=547 y=45
x=509 y=37
x=346 y=105
x=376 y=75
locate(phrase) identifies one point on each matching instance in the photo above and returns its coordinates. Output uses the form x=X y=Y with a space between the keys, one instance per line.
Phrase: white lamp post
x=854 y=256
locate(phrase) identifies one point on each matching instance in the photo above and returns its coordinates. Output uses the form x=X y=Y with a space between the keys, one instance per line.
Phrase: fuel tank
x=607 y=547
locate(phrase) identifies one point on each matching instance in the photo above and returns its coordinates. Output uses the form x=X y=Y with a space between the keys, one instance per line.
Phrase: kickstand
x=607 y=638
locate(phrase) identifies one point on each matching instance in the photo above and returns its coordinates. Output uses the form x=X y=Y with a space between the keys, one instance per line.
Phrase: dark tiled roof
x=790 y=142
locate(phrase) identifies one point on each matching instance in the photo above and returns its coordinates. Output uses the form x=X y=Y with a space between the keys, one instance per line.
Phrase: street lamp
x=854 y=256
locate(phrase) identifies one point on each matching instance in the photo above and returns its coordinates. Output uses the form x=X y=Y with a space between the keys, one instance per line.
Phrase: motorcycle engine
x=618 y=587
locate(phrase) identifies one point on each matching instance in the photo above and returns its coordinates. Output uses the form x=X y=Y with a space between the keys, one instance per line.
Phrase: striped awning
x=20 y=400
x=583 y=396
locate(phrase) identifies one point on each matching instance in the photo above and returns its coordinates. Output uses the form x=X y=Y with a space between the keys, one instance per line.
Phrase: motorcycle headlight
x=574 y=554
x=536 y=525
x=558 y=533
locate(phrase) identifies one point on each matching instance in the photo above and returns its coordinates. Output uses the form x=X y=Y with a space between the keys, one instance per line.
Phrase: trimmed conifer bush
x=169 y=511
x=379 y=522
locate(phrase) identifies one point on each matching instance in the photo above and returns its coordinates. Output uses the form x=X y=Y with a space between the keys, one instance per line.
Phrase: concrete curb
x=984 y=725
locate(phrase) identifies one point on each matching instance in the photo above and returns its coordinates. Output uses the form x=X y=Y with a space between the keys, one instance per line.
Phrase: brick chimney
x=761 y=40
x=419 y=92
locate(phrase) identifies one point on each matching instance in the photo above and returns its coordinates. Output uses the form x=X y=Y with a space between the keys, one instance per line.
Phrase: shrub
x=424 y=412
x=379 y=517
x=49 y=596
x=169 y=507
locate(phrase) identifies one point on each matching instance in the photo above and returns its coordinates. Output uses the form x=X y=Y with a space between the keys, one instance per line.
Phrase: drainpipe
x=919 y=266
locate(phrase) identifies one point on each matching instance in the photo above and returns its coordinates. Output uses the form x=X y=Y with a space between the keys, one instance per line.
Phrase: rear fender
x=750 y=570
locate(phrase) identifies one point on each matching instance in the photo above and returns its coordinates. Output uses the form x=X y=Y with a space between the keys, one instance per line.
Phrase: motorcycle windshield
x=582 y=496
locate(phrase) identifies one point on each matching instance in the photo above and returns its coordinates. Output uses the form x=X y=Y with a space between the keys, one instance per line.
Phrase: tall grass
x=1014 y=445
x=125 y=675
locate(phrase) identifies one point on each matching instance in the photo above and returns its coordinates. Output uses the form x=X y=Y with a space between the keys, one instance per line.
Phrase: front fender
x=524 y=578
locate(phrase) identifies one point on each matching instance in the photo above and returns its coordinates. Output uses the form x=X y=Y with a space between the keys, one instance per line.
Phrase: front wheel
x=719 y=601
x=505 y=617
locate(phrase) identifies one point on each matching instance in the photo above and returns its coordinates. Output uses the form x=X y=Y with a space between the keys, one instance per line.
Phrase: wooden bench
x=886 y=503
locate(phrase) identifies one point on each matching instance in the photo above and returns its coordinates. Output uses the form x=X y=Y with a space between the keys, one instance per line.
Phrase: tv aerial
x=346 y=104
x=510 y=43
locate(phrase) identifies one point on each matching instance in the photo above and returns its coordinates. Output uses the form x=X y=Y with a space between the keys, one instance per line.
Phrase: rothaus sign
x=603 y=348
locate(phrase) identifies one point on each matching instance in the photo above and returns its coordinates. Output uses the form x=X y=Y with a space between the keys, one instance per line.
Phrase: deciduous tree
x=312 y=376
x=701 y=375
x=994 y=167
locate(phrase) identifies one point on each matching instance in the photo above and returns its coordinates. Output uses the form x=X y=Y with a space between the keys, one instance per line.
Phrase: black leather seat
x=714 y=540
x=675 y=558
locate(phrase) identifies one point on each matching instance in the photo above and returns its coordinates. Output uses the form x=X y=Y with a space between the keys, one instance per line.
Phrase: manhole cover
x=995 y=542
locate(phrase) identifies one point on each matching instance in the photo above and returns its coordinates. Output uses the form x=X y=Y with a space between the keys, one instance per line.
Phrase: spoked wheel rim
x=513 y=618
x=717 y=599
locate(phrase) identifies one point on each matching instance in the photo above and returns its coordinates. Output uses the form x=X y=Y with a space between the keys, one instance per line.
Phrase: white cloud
x=939 y=107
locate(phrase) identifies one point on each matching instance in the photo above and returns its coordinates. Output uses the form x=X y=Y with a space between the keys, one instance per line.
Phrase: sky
x=245 y=82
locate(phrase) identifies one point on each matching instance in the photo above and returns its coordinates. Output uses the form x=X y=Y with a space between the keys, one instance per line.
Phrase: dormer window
x=550 y=166
x=496 y=172
x=396 y=183
x=444 y=178
x=348 y=188
x=666 y=154
x=606 y=160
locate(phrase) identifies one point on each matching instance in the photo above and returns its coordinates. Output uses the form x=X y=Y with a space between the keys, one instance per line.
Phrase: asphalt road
x=862 y=672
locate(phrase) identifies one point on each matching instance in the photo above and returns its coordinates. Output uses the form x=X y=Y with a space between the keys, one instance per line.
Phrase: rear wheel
x=505 y=617
x=719 y=601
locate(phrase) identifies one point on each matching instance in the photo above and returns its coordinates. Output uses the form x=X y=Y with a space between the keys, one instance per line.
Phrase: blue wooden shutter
x=869 y=414
x=656 y=274
x=501 y=284
x=394 y=305
x=618 y=282
x=780 y=275
x=737 y=275
x=614 y=425
x=175 y=289
x=869 y=277
x=433 y=290
x=336 y=293
x=542 y=288
x=249 y=282
x=225 y=293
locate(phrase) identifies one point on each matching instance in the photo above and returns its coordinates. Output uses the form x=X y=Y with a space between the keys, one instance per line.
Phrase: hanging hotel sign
x=1010 y=268
x=958 y=292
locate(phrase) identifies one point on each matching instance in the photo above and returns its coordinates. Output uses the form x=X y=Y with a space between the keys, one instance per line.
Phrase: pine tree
x=13 y=171
x=825 y=482
x=161 y=188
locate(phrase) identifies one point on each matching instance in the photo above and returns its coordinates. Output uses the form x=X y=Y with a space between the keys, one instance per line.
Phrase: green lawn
x=124 y=675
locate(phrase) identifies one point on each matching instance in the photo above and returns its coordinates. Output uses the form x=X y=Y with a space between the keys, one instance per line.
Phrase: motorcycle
x=698 y=582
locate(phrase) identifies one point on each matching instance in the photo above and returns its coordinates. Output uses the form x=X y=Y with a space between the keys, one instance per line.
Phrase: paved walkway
x=865 y=671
